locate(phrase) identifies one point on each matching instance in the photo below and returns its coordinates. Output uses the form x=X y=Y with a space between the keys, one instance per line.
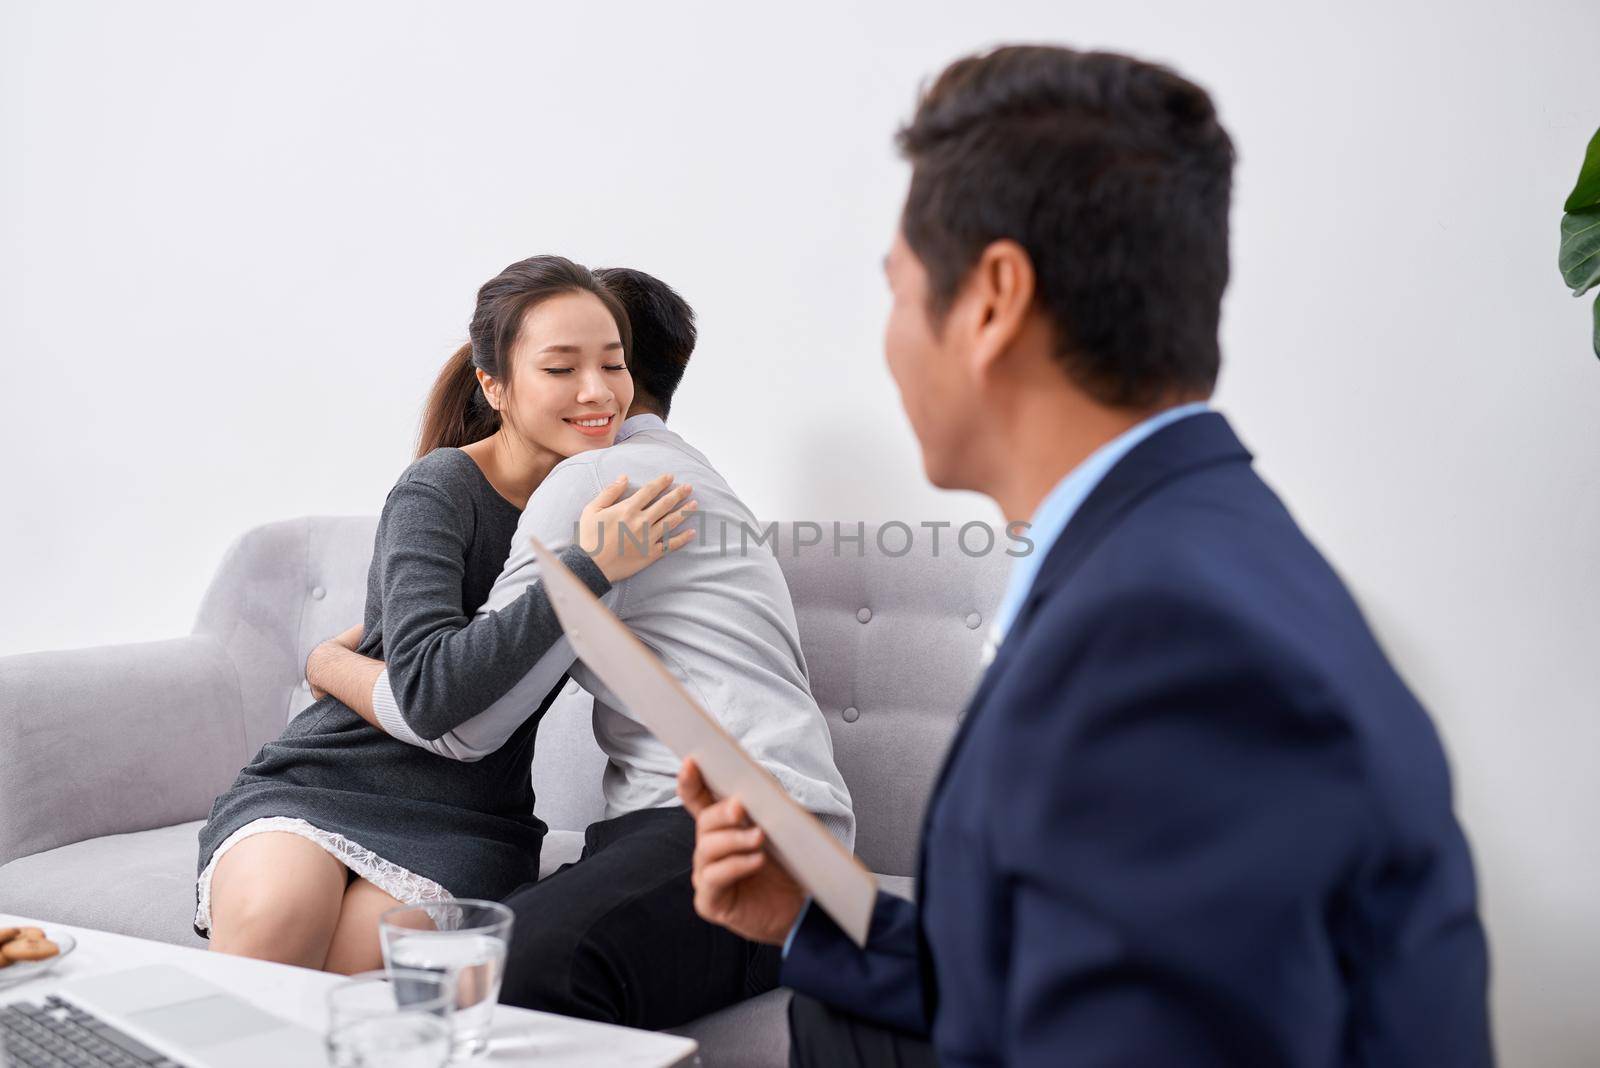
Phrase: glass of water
x=464 y=939
x=398 y=1018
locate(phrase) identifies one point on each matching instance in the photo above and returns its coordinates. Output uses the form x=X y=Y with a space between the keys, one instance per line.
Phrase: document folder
x=837 y=882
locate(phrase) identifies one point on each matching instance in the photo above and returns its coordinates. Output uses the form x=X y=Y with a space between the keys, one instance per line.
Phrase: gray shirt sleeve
x=443 y=668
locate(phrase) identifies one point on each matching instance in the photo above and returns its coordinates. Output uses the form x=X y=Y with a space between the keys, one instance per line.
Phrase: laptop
x=156 y=1015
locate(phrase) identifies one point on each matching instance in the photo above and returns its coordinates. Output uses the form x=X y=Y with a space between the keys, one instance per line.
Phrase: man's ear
x=1001 y=288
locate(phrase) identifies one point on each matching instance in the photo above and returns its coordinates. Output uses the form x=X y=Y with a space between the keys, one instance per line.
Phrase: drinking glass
x=464 y=939
x=399 y=1018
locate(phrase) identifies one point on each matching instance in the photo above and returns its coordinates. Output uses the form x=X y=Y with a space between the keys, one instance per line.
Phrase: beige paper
x=836 y=880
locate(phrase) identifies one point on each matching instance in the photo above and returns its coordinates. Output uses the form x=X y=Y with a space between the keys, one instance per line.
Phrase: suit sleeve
x=1181 y=803
x=443 y=668
x=881 y=982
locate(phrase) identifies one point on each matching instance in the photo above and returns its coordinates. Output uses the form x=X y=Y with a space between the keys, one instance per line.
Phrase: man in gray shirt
x=614 y=937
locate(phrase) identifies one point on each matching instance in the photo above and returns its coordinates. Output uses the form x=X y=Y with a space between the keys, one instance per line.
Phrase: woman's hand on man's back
x=625 y=535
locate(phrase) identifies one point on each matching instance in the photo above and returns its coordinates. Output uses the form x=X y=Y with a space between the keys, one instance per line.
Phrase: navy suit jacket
x=1192 y=816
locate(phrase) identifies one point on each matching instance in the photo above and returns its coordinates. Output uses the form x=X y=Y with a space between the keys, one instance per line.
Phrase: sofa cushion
x=139 y=884
x=560 y=847
x=142 y=884
x=751 y=1034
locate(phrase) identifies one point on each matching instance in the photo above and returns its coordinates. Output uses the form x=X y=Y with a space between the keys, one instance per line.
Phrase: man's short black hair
x=1114 y=175
x=663 y=332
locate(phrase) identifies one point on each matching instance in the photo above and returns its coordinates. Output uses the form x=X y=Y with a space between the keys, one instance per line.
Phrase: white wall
x=238 y=240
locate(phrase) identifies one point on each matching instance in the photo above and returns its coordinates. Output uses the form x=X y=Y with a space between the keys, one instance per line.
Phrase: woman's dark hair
x=457 y=413
x=1114 y=175
x=663 y=332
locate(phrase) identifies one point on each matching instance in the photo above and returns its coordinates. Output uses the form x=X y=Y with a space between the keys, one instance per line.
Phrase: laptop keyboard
x=58 y=1035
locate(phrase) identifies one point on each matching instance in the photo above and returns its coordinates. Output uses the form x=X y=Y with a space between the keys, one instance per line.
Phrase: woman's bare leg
x=355 y=947
x=276 y=896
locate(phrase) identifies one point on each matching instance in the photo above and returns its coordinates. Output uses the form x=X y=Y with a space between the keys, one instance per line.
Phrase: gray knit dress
x=442 y=540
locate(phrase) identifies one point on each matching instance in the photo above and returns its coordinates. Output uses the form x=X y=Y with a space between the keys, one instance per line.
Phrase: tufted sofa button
x=973 y=619
x=850 y=715
x=864 y=614
x=318 y=593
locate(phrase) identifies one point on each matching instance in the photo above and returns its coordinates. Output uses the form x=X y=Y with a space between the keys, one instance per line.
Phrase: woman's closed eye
x=569 y=370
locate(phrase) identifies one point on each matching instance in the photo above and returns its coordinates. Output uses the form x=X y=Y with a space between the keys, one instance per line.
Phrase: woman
x=335 y=822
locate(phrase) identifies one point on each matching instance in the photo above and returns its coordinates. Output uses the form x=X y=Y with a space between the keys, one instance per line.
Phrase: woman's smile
x=594 y=426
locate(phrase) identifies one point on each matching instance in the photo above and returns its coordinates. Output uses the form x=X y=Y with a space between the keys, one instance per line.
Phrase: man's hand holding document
x=836 y=880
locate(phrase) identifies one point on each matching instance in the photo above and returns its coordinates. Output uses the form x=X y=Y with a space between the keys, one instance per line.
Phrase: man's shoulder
x=574 y=481
x=1218 y=536
x=1185 y=561
x=643 y=456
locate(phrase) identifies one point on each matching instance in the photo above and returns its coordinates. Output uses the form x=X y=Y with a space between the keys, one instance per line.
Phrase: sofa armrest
x=114 y=739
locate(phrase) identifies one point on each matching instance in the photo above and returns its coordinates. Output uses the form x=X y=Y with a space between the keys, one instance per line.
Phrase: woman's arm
x=444 y=669
x=486 y=732
x=362 y=684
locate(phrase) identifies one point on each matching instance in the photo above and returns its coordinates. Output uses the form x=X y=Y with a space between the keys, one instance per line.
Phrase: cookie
x=8 y=933
x=22 y=949
x=29 y=933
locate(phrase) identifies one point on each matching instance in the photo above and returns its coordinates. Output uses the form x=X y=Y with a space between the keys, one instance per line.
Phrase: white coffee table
x=519 y=1037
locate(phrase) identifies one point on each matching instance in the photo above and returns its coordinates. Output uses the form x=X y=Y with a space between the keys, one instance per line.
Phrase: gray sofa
x=110 y=758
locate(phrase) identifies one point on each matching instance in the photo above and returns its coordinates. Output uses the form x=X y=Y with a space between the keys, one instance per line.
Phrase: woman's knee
x=258 y=912
x=276 y=900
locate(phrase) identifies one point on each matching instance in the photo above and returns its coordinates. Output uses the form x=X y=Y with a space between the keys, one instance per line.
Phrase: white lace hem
x=404 y=886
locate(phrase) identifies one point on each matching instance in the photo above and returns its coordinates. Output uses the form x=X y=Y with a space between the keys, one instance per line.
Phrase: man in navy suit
x=1192 y=815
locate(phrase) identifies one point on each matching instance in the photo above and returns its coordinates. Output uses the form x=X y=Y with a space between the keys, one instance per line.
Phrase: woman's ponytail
x=457 y=413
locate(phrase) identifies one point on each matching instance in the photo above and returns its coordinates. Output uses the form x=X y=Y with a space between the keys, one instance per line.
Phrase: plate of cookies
x=26 y=952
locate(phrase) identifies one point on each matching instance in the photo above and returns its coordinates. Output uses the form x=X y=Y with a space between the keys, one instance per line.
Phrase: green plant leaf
x=1580 y=249
x=1597 y=326
x=1586 y=194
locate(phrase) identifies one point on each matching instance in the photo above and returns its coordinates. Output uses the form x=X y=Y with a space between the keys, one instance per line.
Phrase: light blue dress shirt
x=1045 y=528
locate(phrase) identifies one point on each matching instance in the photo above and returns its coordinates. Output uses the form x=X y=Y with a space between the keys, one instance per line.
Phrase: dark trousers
x=821 y=1036
x=614 y=936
